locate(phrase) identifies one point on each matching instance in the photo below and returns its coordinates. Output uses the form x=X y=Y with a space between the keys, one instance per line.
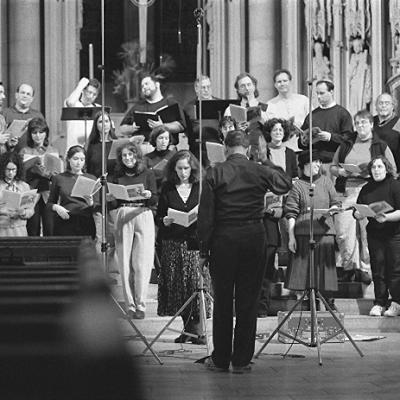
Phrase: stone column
x=215 y=17
x=376 y=51
x=236 y=44
x=291 y=41
x=3 y=43
x=24 y=46
x=264 y=44
x=63 y=21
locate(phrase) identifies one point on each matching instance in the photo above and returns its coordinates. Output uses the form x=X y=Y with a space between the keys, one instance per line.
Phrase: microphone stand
x=200 y=291
x=103 y=181
x=312 y=292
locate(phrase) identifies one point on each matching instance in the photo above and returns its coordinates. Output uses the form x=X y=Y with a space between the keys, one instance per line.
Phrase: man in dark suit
x=232 y=239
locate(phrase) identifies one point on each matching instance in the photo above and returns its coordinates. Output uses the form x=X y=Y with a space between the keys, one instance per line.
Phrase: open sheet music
x=16 y=200
x=51 y=162
x=183 y=218
x=215 y=152
x=128 y=192
x=373 y=209
x=85 y=187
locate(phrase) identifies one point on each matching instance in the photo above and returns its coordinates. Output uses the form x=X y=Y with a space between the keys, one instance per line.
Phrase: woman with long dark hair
x=13 y=221
x=38 y=176
x=74 y=215
x=134 y=228
x=178 y=278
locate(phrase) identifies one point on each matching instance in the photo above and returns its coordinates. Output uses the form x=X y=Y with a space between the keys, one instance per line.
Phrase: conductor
x=232 y=240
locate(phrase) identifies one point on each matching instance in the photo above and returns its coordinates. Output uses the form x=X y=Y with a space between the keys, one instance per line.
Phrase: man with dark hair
x=84 y=95
x=22 y=110
x=152 y=101
x=387 y=125
x=333 y=124
x=232 y=238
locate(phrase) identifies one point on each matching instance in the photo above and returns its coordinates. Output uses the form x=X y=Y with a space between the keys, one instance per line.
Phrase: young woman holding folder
x=38 y=174
x=73 y=215
x=178 y=277
x=13 y=221
x=134 y=227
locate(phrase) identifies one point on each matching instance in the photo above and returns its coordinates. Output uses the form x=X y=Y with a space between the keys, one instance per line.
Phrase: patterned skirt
x=297 y=276
x=179 y=279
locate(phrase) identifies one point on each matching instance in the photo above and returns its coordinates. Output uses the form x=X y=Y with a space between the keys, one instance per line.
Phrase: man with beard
x=387 y=125
x=152 y=101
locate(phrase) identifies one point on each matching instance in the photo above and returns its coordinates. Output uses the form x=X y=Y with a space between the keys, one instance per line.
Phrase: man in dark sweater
x=387 y=125
x=334 y=122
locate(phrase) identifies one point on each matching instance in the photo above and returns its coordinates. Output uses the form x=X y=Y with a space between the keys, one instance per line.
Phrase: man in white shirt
x=287 y=104
x=84 y=95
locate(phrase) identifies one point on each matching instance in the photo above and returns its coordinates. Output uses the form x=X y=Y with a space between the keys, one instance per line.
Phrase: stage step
x=356 y=317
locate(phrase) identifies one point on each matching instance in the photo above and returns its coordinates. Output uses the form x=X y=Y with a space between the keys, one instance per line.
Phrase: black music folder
x=214 y=109
x=167 y=114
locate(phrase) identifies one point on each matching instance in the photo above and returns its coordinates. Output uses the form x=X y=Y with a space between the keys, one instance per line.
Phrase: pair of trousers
x=135 y=252
x=265 y=294
x=41 y=220
x=237 y=264
x=351 y=235
x=385 y=265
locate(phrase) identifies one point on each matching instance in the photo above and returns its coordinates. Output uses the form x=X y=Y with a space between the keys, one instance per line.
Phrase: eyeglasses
x=362 y=122
x=385 y=103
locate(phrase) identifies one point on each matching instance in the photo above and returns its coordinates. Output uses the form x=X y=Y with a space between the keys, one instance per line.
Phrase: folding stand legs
x=315 y=335
x=138 y=333
x=202 y=294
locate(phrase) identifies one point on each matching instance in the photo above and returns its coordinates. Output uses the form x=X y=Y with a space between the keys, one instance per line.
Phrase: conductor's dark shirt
x=233 y=194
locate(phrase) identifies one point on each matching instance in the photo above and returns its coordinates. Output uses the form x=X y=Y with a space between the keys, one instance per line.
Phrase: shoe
x=131 y=314
x=332 y=305
x=241 y=370
x=209 y=363
x=182 y=338
x=198 y=340
x=393 y=310
x=139 y=314
x=377 y=311
x=363 y=277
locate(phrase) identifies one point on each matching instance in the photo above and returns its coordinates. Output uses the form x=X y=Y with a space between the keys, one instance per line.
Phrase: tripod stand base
x=315 y=337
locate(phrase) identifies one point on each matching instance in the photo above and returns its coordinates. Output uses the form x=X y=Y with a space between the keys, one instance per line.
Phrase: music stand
x=81 y=114
x=213 y=109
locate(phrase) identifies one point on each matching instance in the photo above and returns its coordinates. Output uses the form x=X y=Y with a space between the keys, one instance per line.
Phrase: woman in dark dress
x=383 y=235
x=74 y=215
x=178 y=277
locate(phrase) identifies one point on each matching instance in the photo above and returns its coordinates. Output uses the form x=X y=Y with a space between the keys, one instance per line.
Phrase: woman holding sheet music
x=383 y=232
x=349 y=165
x=178 y=277
x=39 y=172
x=134 y=227
x=13 y=220
x=73 y=215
